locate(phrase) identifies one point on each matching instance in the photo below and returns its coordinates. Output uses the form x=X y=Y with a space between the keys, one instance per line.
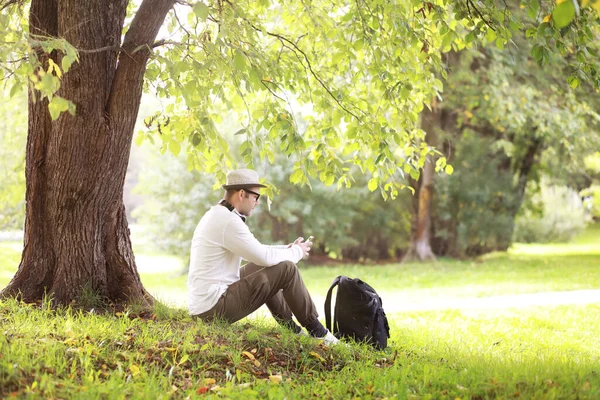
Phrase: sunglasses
x=254 y=193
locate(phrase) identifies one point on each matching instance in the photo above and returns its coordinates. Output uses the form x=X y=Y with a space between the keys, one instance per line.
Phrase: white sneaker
x=329 y=339
x=302 y=333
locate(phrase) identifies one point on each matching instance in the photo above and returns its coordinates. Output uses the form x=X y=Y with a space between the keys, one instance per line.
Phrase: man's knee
x=287 y=266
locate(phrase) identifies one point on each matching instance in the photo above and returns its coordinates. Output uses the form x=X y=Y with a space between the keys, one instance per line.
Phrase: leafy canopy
x=359 y=73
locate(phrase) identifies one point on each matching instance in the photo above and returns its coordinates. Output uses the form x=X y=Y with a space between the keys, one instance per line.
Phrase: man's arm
x=239 y=240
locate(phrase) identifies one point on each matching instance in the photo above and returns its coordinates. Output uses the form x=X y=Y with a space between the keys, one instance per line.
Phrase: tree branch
x=119 y=48
x=180 y=24
x=264 y=82
x=126 y=89
x=294 y=47
x=163 y=42
x=309 y=65
x=99 y=50
x=470 y=2
x=8 y=3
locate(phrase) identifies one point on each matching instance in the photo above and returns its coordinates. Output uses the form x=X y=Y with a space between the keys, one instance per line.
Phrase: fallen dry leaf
x=134 y=369
x=317 y=356
x=202 y=390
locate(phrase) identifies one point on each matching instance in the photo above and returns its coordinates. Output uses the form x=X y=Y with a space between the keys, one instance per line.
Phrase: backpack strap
x=328 y=325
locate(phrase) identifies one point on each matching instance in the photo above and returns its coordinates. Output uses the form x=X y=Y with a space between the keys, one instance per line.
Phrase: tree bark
x=76 y=231
x=420 y=243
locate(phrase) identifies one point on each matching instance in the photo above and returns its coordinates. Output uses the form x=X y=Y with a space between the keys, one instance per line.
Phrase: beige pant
x=280 y=287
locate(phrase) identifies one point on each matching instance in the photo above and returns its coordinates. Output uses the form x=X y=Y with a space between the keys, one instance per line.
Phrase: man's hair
x=230 y=192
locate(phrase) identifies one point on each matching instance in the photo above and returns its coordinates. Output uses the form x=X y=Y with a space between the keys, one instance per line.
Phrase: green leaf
x=239 y=61
x=449 y=169
x=448 y=39
x=174 y=147
x=71 y=108
x=373 y=184
x=56 y=106
x=195 y=140
x=530 y=32
x=14 y=90
x=201 y=10
x=533 y=9
x=537 y=52
x=573 y=81
x=339 y=57
x=184 y=358
x=500 y=43
x=240 y=132
x=297 y=176
x=563 y=14
x=374 y=23
x=414 y=174
x=66 y=62
x=358 y=45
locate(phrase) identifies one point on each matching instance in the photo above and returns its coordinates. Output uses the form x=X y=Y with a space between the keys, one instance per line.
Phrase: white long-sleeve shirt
x=220 y=241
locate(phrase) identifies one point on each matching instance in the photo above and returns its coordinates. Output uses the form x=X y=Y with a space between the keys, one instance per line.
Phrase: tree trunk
x=420 y=243
x=421 y=229
x=76 y=231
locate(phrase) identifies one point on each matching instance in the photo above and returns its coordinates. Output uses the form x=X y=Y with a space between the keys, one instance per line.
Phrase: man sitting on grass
x=219 y=288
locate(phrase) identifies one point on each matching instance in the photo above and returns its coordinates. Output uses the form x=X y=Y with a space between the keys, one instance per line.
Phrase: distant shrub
x=562 y=217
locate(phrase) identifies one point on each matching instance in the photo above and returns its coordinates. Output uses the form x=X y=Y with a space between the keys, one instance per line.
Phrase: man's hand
x=297 y=241
x=305 y=246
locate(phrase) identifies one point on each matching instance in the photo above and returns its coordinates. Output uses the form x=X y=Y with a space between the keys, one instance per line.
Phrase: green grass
x=539 y=353
x=550 y=352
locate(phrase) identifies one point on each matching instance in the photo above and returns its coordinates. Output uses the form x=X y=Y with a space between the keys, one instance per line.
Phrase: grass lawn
x=549 y=352
x=525 y=268
x=539 y=353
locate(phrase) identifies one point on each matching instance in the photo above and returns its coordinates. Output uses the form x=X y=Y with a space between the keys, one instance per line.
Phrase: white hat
x=241 y=179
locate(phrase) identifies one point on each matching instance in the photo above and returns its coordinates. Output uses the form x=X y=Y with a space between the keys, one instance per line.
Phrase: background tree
x=421 y=227
x=546 y=33
x=530 y=121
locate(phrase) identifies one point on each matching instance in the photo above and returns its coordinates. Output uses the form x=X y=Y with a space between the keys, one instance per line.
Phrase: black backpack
x=358 y=313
